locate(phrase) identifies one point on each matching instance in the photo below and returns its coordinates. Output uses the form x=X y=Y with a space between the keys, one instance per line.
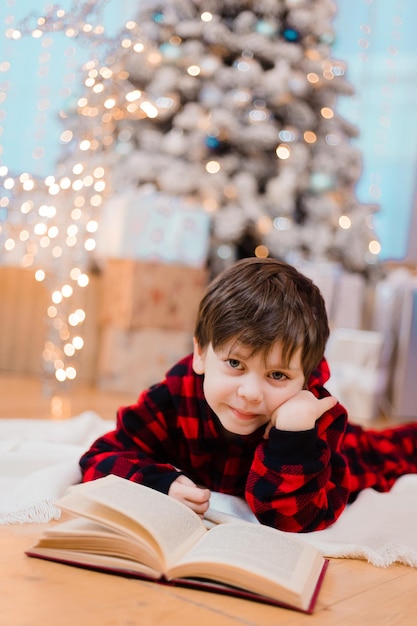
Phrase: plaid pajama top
x=294 y=481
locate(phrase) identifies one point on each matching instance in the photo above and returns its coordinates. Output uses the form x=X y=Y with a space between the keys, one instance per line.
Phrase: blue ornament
x=212 y=142
x=169 y=51
x=327 y=38
x=292 y=35
x=320 y=182
x=158 y=17
x=265 y=28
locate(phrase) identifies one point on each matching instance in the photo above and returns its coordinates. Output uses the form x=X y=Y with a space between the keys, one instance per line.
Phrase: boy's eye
x=234 y=363
x=278 y=376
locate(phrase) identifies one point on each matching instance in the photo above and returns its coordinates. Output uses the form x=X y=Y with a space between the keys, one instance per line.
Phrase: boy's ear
x=198 y=358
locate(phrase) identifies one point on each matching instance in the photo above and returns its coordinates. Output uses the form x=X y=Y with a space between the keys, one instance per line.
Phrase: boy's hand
x=300 y=412
x=186 y=491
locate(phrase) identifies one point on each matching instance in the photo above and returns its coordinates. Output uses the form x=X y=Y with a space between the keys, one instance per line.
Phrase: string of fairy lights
x=49 y=224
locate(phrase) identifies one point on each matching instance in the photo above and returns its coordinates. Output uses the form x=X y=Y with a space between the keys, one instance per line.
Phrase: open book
x=121 y=527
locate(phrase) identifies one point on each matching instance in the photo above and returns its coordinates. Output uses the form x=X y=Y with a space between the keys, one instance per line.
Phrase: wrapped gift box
x=349 y=301
x=146 y=224
x=343 y=292
x=137 y=294
x=131 y=361
x=404 y=388
x=395 y=315
x=358 y=375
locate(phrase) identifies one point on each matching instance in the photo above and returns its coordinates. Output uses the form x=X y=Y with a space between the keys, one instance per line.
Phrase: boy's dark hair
x=257 y=302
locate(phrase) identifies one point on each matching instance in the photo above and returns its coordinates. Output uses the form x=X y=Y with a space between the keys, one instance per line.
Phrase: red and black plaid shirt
x=295 y=481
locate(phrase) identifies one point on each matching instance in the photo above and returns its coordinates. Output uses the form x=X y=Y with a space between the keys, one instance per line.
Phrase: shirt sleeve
x=139 y=447
x=299 y=481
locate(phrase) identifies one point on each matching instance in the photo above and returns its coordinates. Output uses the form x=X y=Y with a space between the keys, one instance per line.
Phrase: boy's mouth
x=244 y=415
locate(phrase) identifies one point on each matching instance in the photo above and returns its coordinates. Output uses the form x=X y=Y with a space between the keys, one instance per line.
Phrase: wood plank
x=24 y=397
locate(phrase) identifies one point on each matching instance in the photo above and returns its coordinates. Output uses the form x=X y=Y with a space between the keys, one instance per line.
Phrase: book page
x=128 y=506
x=255 y=557
x=84 y=535
x=226 y=508
x=110 y=564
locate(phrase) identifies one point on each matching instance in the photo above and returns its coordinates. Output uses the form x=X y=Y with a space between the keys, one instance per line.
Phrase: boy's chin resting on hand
x=300 y=412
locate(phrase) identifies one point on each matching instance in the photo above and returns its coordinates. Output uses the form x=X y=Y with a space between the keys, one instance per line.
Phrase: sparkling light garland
x=50 y=224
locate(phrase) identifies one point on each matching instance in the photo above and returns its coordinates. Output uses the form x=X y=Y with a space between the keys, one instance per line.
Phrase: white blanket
x=39 y=461
x=378 y=527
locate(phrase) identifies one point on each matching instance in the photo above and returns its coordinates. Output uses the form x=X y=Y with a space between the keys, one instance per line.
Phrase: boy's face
x=244 y=390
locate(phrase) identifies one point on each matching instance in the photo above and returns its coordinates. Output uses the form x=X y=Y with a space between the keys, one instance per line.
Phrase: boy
x=247 y=414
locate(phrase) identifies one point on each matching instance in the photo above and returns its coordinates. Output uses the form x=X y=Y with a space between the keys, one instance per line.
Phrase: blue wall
x=378 y=41
x=33 y=77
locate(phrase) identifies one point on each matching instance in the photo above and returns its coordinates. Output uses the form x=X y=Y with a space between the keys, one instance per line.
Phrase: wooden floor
x=34 y=592
x=26 y=397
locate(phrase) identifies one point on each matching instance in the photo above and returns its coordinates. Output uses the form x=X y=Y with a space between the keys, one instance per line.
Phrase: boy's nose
x=250 y=389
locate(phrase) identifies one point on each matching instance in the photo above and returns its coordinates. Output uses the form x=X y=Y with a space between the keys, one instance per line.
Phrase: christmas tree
x=233 y=104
